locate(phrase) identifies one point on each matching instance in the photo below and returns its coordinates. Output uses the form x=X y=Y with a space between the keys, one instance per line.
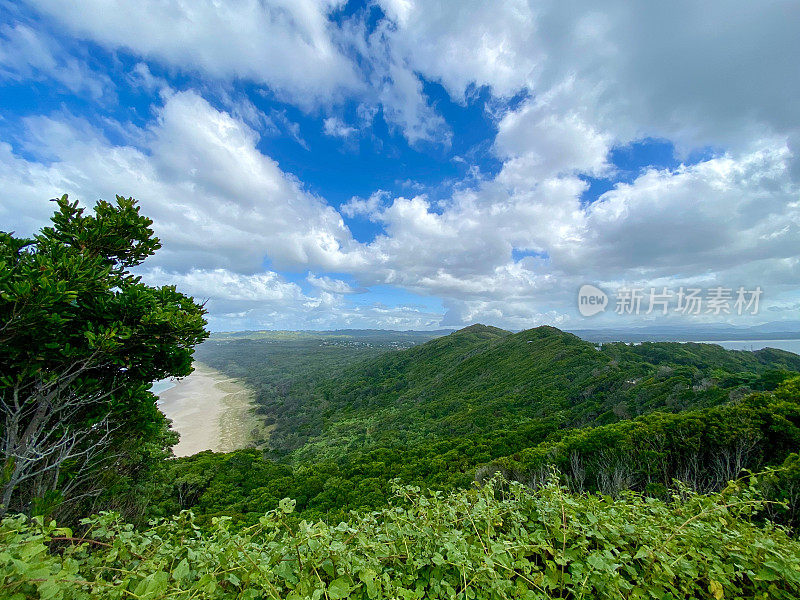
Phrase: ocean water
x=788 y=345
x=162 y=385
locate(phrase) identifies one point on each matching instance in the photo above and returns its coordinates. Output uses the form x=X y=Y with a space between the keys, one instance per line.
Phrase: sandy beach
x=210 y=410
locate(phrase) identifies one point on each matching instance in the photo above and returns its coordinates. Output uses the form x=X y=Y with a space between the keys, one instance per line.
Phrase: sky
x=396 y=164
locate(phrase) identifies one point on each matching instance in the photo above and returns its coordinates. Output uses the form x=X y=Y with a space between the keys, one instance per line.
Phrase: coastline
x=210 y=410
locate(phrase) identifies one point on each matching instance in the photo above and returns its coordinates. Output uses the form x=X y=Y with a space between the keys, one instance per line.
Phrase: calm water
x=162 y=385
x=789 y=345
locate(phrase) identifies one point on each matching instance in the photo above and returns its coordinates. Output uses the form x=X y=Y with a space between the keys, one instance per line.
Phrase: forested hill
x=482 y=378
x=480 y=400
x=479 y=380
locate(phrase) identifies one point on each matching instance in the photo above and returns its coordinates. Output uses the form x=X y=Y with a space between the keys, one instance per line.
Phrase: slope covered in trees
x=285 y=370
x=482 y=379
x=703 y=449
x=498 y=385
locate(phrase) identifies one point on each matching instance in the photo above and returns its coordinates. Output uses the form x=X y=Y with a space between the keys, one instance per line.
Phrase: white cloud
x=331 y=285
x=718 y=215
x=141 y=77
x=26 y=54
x=369 y=208
x=225 y=285
x=335 y=127
x=468 y=42
x=405 y=106
x=545 y=142
x=287 y=45
x=216 y=200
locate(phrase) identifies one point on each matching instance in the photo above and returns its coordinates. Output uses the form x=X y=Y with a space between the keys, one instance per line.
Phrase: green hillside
x=482 y=379
x=481 y=400
x=286 y=370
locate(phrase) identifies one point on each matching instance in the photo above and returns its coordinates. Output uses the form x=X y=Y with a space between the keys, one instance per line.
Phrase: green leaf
x=181 y=572
x=339 y=588
x=715 y=589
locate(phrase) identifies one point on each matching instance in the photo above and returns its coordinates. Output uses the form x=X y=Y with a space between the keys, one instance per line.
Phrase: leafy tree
x=81 y=339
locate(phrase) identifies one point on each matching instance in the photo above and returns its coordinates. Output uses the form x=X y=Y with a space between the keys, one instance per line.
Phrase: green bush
x=495 y=542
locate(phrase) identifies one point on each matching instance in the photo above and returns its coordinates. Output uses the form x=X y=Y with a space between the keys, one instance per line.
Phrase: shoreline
x=210 y=411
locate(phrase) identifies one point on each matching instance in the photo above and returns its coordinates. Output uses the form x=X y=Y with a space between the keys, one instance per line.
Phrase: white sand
x=210 y=410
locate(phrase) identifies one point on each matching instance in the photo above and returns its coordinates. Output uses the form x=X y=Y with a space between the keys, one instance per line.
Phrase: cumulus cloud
x=286 y=45
x=216 y=200
x=225 y=285
x=469 y=42
x=365 y=207
x=332 y=286
x=141 y=77
x=719 y=214
x=543 y=142
x=27 y=54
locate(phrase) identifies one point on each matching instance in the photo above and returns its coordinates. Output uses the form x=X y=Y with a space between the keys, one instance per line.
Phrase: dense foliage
x=496 y=542
x=482 y=380
x=243 y=484
x=286 y=368
x=705 y=448
x=81 y=339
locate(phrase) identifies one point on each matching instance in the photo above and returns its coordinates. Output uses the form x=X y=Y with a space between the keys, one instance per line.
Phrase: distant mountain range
x=363 y=335
x=783 y=330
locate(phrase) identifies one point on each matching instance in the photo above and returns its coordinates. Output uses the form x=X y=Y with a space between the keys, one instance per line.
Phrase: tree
x=81 y=340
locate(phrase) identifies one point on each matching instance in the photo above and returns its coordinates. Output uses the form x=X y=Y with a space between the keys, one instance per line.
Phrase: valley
x=340 y=423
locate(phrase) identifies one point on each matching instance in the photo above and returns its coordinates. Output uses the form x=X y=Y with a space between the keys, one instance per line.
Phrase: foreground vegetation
x=496 y=542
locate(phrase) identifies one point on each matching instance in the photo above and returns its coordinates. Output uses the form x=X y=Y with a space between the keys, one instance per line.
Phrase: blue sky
x=393 y=164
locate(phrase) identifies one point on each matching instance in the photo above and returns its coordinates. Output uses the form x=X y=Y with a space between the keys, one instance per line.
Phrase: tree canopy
x=81 y=340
